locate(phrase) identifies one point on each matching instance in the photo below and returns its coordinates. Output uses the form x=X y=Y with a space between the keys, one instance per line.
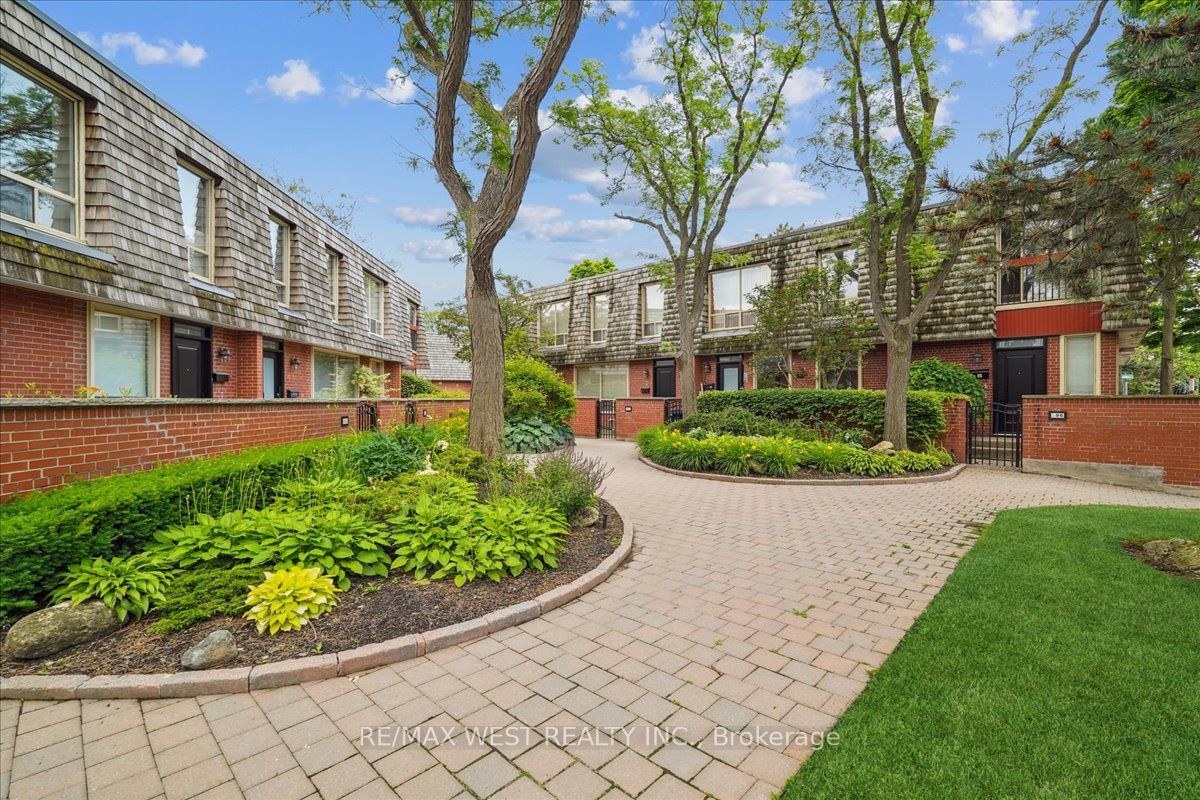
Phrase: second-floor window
x=39 y=166
x=1021 y=284
x=600 y=317
x=414 y=324
x=554 y=322
x=333 y=279
x=730 y=290
x=832 y=261
x=281 y=258
x=374 y=289
x=196 y=202
x=652 y=310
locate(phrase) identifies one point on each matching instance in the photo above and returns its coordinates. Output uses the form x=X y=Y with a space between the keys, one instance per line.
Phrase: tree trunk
x=1166 y=367
x=486 y=422
x=686 y=368
x=895 y=404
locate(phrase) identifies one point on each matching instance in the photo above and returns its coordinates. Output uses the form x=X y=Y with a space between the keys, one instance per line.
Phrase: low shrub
x=834 y=409
x=567 y=482
x=413 y=385
x=316 y=491
x=535 y=435
x=289 y=598
x=439 y=538
x=941 y=376
x=740 y=422
x=777 y=456
x=533 y=388
x=129 y=586
x=46 y=532
x=193 y=596
x=386 y=500
x=382 y=457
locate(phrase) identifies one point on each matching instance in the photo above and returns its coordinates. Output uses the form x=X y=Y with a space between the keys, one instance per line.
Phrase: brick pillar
x=394 y=372
x=248 y=364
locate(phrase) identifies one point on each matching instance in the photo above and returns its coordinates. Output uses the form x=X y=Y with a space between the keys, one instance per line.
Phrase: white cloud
x=184 y=53
x=296 y=81
x=622 y=8
x=803 y=85
x=776 y=183
x=640 y=52
x=543 y=224
x=1001 y=20
x=956 y=43
x=396 y=88
x=432 y=249
x=582 y=197
x=635 y=96
x=425 y=217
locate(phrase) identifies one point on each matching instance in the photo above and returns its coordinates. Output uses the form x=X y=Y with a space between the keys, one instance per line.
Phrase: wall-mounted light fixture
x=223 y=353
x=977 y=357
x=295 y=363
x=645 y=373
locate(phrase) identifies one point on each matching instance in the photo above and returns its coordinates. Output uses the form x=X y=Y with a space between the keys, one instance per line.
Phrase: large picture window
x=600 y=317
x=39 y=166
x=123 y=354
x=331 y=375
x=730 y=290
x=554 y=323
x=652 y=310
x=196 y=202
x=374 y=289
x=606 y=381
x=281 y=258
x=830 y=262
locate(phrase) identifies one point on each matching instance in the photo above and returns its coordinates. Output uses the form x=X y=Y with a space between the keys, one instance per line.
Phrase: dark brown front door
x=191 y=360
x=1020 y=371
x=664 y=378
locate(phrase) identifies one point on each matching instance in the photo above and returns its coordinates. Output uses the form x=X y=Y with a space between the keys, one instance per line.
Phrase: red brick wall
x=874 y=367
x=298 y=377
x=1108 y=364
x=583 y=424
x=247 y=361
x=955 y=437
x=453 y=386
x=641 y=379
x=1142 y=431
x=44 y=340
x=47 y=444
x=635 y=414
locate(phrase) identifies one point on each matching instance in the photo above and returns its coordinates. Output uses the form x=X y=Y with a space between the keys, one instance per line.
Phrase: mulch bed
x=372 y=610
x=1136 y=550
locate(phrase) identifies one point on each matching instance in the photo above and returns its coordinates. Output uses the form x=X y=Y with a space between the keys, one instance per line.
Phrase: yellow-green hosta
x=289 y=598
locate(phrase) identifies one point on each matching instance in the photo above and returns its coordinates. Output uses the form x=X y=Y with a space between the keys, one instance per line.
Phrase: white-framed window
x=122 y=352
x=333 y=279
x=196 y=203
x=600 y=303
x=1080 y=364
x=554 y=323
x=829 y=262
x=280 y=233
x=331 y=375
x=847 y=375
x=414 y=325
x=730 y=290
x=652 y=305
x=375 y=291
x=40 y=160
x=606 y=381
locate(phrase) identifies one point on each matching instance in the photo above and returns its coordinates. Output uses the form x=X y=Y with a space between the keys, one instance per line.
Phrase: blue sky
x=288 y=90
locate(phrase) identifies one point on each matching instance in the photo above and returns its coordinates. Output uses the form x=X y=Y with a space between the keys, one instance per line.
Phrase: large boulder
x=884 y=448
x=59 y=627
x=1179 y=554
x=213 y=650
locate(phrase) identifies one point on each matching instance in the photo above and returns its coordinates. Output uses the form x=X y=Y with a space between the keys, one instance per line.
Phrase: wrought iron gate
x=606 y=419
x=994 y=435
x=368 y=416
x=673 y=410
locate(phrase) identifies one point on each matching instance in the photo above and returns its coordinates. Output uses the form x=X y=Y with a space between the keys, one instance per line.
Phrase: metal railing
x=606 y=419
x=368 y=416
x=994 y=435
x=672 y=410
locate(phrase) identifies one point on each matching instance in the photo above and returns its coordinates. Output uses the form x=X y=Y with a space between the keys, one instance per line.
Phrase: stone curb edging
x=236 y=680
x=713 y=476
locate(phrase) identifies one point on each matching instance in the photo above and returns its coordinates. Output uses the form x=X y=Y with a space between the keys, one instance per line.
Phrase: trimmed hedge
x=946 y=376
x=47 y=532
x=533 y=388
x=834 y=408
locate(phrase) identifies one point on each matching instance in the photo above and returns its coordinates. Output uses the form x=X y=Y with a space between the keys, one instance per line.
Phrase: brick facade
x=47 y=443
x=43 y=341
x=1161 y=432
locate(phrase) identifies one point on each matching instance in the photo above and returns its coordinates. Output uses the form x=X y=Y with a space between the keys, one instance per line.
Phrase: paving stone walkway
x=745 y=616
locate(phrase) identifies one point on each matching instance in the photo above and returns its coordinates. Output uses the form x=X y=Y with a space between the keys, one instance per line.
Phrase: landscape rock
x=885 y=448
x=58 y=627
x=1179 y=554
x=588 y=517
x=215 y=649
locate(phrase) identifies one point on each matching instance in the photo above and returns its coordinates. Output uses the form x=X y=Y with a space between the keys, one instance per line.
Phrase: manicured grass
x=1052 y=665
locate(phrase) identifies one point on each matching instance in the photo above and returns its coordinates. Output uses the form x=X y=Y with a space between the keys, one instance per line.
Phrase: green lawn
x=1052 y=665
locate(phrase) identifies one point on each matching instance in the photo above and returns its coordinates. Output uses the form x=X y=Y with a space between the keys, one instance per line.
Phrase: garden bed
x=815 y=478
x=372 y=610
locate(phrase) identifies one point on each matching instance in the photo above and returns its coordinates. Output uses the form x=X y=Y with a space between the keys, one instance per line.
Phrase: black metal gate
x=606 y=419
x=368 y=416
x=994 y=435
x=673 y=410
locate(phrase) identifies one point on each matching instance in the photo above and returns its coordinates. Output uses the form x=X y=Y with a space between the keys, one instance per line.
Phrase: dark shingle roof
x=439 y=362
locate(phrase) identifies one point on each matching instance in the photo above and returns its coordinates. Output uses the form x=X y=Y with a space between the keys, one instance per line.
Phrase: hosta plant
x=289 y=598
x=336 y=541
x=535 y=435
x=316 y=491
x=129 y=586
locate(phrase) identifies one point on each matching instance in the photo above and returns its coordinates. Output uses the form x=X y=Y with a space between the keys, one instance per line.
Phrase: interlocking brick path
x=744 y=608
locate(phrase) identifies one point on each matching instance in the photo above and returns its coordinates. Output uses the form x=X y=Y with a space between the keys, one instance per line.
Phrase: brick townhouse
x=143 y=259
x=610 y=334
